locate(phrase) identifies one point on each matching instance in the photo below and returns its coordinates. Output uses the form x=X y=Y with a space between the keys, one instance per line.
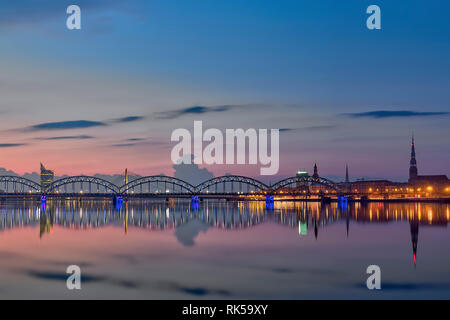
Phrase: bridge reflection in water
x=307 y=217
x=220 y=214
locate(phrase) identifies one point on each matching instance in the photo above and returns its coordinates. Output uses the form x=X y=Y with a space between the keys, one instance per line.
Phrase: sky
x=107 y=97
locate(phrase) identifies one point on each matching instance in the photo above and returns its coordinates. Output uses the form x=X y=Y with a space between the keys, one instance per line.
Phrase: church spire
x=412 y=162
x=316 y=172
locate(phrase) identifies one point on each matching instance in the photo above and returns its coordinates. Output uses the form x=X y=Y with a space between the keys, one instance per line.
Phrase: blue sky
x=309 y=66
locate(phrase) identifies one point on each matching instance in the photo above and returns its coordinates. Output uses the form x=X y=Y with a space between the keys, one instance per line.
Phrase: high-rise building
x=46 y=177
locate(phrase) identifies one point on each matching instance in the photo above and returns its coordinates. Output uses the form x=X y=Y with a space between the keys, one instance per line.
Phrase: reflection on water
x=306 y=216
x=278 y=232
x=218 y=214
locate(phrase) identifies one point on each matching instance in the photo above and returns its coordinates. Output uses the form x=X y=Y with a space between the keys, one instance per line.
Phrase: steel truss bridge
x=164 y=186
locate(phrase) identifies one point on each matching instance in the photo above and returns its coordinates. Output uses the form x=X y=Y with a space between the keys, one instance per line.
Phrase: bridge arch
x=183 y=186
x=307 y=181
x=260 y=186
x=108 y=186
x=22 y=182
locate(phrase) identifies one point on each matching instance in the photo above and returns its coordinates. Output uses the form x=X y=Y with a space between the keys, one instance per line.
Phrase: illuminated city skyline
x=192 y=170
x=225 y=151
x=107 y=97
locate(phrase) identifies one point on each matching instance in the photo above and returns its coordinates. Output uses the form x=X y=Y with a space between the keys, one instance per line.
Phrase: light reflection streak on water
x=156 y=215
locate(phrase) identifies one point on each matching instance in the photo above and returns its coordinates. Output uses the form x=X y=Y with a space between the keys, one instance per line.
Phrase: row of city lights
x=429 y=189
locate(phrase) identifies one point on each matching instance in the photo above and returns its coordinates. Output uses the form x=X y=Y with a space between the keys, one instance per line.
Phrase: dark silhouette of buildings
x=315 y=175
x=423 y=185
x=412 y=162
x=428 y=179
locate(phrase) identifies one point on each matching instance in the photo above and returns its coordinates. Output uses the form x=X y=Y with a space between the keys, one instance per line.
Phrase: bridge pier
x=325 y=200
x=118 y=202
x=364 y=200
x=342 y=202
x=194 y=203
x=43 y=202
x=269 y=203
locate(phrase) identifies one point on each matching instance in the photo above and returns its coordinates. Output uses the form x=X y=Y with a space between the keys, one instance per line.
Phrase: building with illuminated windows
x=46 y=177
x=418 y=186
x=414 y=178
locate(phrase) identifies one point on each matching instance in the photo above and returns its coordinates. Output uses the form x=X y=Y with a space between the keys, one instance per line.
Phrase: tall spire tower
x=414 y=224
x=347 y=180
x=316 y=173
x=412 y=162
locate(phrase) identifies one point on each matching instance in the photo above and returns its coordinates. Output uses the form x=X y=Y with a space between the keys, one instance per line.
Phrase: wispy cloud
x=120 y=145
x=379 y=114
x=78 y=124
x=63 y=125
x=139 y=142
x=365 y=138
x=199 y=110
x=191 y=110
x=80 y=137
x=9 y=145
x=129 y=119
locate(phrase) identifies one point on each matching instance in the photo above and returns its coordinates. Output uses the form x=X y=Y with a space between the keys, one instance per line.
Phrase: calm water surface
x=224 y=250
